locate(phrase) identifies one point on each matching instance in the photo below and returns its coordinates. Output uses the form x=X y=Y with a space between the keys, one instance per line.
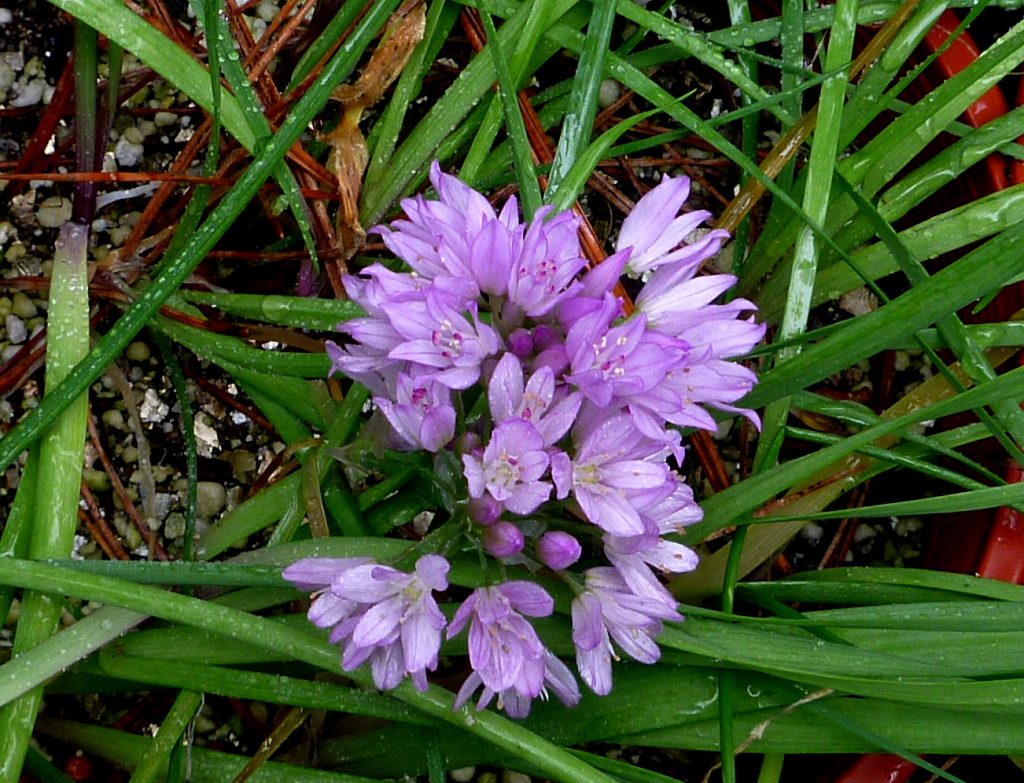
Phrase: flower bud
x=520 y=343
x=484 y=510
x=545 y=337
x=466 y=443
x=503 y=539
x=558 y=550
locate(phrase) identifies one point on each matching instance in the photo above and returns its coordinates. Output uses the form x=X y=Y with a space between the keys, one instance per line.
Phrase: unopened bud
x=503 y=539
x=485 y=510
x=520 y=343
x=558 y=550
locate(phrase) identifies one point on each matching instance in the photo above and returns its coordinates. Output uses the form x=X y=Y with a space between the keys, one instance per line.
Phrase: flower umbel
x=547 y=415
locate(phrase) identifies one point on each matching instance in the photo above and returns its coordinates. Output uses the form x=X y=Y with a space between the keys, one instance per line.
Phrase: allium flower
x=608 y=610
x=568 y=395
x=507 y=656
x=673 y=299
x=510 y=399
x=682 y=395
x=379 y=614
x=510 y=468
x=316 y=574
x=365 y=362
x=557 y=678
x=679 y=304
x=420 y=412
x=654 y=233
x=677 y=511
x=615 y=474
x=437 y=241
x=437 y=335
x=634 y=556
x=368 y=360
x=618 y=361
x=545 y=271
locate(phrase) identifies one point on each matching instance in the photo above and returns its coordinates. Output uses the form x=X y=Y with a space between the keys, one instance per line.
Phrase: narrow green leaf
x=947 y=291
x=816 y=197
x=942 y=233
x=925 y=729
x=168 y=736
x=733 y=504
x=230 y=351
x=58 y=483
x=578 y=123
x=207 y=766
x=441 y=17
x=917 y=577
x=273 y=688
x=189 y=436
x=67 y=647
x=563 y=195
x=697 y=46
x=529 y=188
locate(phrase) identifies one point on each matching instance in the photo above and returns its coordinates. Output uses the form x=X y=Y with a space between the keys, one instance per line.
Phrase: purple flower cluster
x=582 y=406
x=377 y=613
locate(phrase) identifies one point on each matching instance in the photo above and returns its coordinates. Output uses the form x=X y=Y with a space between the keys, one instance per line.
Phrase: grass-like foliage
x=844 y=171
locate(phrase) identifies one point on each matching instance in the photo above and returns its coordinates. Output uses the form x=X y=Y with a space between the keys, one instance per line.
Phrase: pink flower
x=619 y=361
x=378 y=614
x=556 y=677
x=534 y=402
x=445 y=238
x=421 y=412
x=436 y=335
x=510 y=468
x=508 y=658
x=608 y=610
x=654 y=230
x=635 y=556
x=545 y=271
x=615 y=474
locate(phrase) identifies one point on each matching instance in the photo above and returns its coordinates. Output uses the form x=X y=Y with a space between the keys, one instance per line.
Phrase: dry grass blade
x=292 y=721
x=349 y=156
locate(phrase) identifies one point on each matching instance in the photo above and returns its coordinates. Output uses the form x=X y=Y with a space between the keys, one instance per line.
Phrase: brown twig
x=835 y=553
x=96 y=522
x=35 y=150
x=707 y=454
x=148 y=535
x=228 y=400
x=156 y=204
x=277 y=41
